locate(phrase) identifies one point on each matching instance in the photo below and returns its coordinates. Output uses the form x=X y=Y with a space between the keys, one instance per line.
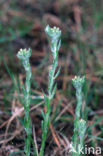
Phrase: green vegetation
x=54 y=34
x=24 y=56
x=39 y=113
x=79 y=124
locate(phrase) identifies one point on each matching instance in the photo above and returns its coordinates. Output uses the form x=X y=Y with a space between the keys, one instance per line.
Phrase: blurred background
x=22 y=25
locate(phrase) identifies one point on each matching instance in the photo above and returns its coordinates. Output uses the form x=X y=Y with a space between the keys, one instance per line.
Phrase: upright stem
x=78 y=83
x=54 y=34
x=24 y=55
x=48 y=107
x=77 y=118
x=45 y=131
x=27 y=120
x=81 y=131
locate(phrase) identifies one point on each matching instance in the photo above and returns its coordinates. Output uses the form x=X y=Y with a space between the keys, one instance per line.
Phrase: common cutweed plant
x=79 y=124
x=55 y=43
x=24 y=56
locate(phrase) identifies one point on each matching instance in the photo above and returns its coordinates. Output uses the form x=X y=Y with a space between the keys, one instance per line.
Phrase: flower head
x=24 y=54
x=78 y=81
x=54 y=32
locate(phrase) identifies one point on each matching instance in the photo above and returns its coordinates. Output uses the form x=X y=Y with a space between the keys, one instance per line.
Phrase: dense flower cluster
x=78 y=81
x=24 y=54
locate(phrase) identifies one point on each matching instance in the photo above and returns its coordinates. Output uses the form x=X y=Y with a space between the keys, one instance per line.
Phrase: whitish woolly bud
x=54 y=32
x=78 y=81
x=24 y=54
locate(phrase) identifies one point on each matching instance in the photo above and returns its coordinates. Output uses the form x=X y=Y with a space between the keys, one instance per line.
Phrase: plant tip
x=54 y=32
x=78 y=81
x=24 y=54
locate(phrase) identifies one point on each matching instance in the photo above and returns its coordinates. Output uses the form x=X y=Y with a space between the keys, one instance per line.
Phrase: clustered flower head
x=78 y=81
x=54 y=32
x=24 y=54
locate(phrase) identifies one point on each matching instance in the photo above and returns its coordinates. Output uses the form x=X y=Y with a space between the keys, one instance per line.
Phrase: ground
x=22 y=25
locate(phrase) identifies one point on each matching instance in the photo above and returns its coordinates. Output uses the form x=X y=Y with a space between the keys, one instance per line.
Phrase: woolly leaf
x=58 y=72
x=53 y=91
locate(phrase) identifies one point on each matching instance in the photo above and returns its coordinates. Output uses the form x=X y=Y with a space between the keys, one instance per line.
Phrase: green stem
x=44 y=133
x=81 y=131
x=51 y=80
x=48 y=106
x=54 y=34
x=24 y=56
x=27 y=119
x=77 y=118
x=78 y=83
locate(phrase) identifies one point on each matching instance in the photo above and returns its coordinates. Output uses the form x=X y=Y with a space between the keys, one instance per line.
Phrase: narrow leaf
x=58 y=72
x=54 y=91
